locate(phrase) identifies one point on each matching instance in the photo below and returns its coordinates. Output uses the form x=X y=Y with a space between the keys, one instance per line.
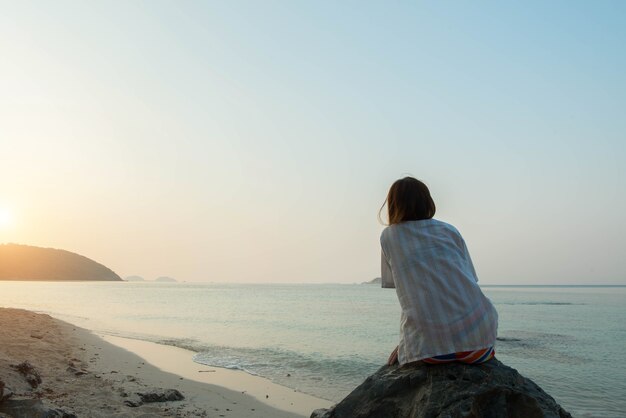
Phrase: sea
x=325 y=339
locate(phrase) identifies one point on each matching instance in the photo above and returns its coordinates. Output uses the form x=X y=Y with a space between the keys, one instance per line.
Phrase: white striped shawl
x=443 y=309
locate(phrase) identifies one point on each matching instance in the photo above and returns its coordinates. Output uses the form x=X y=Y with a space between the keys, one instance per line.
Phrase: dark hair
x=408 y=200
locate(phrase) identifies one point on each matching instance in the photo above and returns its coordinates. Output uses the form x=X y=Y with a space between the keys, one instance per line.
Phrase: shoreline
x=94 y=375
x=179 y=361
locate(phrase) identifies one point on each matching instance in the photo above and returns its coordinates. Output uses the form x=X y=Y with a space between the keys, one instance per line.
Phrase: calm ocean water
x=325 y=339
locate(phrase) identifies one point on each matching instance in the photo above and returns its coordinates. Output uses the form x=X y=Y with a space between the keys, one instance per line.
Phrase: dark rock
x=5 y=392
x=75 y=371
x=490 y=390
x=30 y=374
x=133 y=403
x=32 y=408
x=161 y=396
x=156 y=395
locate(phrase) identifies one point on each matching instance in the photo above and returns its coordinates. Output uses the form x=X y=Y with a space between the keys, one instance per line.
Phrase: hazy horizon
x=255 y=142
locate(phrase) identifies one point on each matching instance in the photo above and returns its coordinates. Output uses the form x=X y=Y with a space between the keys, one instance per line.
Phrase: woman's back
x=443 y=309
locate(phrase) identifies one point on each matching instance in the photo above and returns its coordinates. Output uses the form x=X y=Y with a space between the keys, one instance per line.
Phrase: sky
x=248 y=141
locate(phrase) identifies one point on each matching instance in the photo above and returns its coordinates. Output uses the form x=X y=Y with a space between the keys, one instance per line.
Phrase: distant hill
x=134 y=279
x=164 y=279
x=377 y=280
x=24 y=262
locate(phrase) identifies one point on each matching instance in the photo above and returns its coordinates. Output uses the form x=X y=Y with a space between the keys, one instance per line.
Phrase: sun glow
x=5 y=218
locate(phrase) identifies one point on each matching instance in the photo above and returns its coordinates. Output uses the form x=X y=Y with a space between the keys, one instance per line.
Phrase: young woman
x=445 y=315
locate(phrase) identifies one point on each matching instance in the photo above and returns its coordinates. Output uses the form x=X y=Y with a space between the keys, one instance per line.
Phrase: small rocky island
x=134 y=279
x=418 y=390
x=25 y=262
x=165 y=279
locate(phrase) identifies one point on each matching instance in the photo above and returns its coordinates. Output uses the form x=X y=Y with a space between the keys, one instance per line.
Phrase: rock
x=156 y=395
x=30 y=374
x=490 y=390
x=160 y=395
x=32 y=408
x=133 y=403
x=5 y=392
x=76 y=372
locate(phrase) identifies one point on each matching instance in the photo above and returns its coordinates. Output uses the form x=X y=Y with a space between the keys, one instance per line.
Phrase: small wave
x=299 y=371
x=539 y=345
x=272 y=364
x=534 y=337
x=541 y=303
x=185 y=343
x=229 y=367
x=225 y=366
x=296 y=370
x=508 y=339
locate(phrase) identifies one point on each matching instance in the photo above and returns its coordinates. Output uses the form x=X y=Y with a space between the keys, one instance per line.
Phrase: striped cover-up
x=469 y=357
x=443 y=310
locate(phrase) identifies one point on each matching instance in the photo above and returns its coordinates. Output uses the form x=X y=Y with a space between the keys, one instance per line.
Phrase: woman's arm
x=393 y=358
x=469 y=260
x=386 y=273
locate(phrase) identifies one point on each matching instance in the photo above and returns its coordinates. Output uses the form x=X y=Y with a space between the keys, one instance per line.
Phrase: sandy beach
x=103 y=376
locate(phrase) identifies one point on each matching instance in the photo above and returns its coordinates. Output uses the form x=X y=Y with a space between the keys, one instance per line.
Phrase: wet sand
x=98 y=376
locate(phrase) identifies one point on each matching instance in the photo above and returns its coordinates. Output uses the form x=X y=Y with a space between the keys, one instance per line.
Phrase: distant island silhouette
x=25 y=262
x=134 y=279
x=376 y=280
x=164 y=279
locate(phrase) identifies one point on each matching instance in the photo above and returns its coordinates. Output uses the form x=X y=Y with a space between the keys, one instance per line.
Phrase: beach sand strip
x=99 y=376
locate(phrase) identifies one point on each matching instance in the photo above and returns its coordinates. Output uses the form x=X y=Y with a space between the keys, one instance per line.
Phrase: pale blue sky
x=255 y=141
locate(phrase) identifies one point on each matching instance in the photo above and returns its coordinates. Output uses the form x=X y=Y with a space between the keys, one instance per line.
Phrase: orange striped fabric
x=469 y=357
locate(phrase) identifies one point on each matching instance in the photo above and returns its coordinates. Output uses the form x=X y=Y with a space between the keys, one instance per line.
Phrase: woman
x=445 y=315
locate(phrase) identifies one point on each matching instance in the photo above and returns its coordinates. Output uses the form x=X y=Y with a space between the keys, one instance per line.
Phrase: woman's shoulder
x=444 y=225
x=424 y=226
x=414 y=226
x=386 y=232
x=428 y=224
x=392 y=232
x=447 y=229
